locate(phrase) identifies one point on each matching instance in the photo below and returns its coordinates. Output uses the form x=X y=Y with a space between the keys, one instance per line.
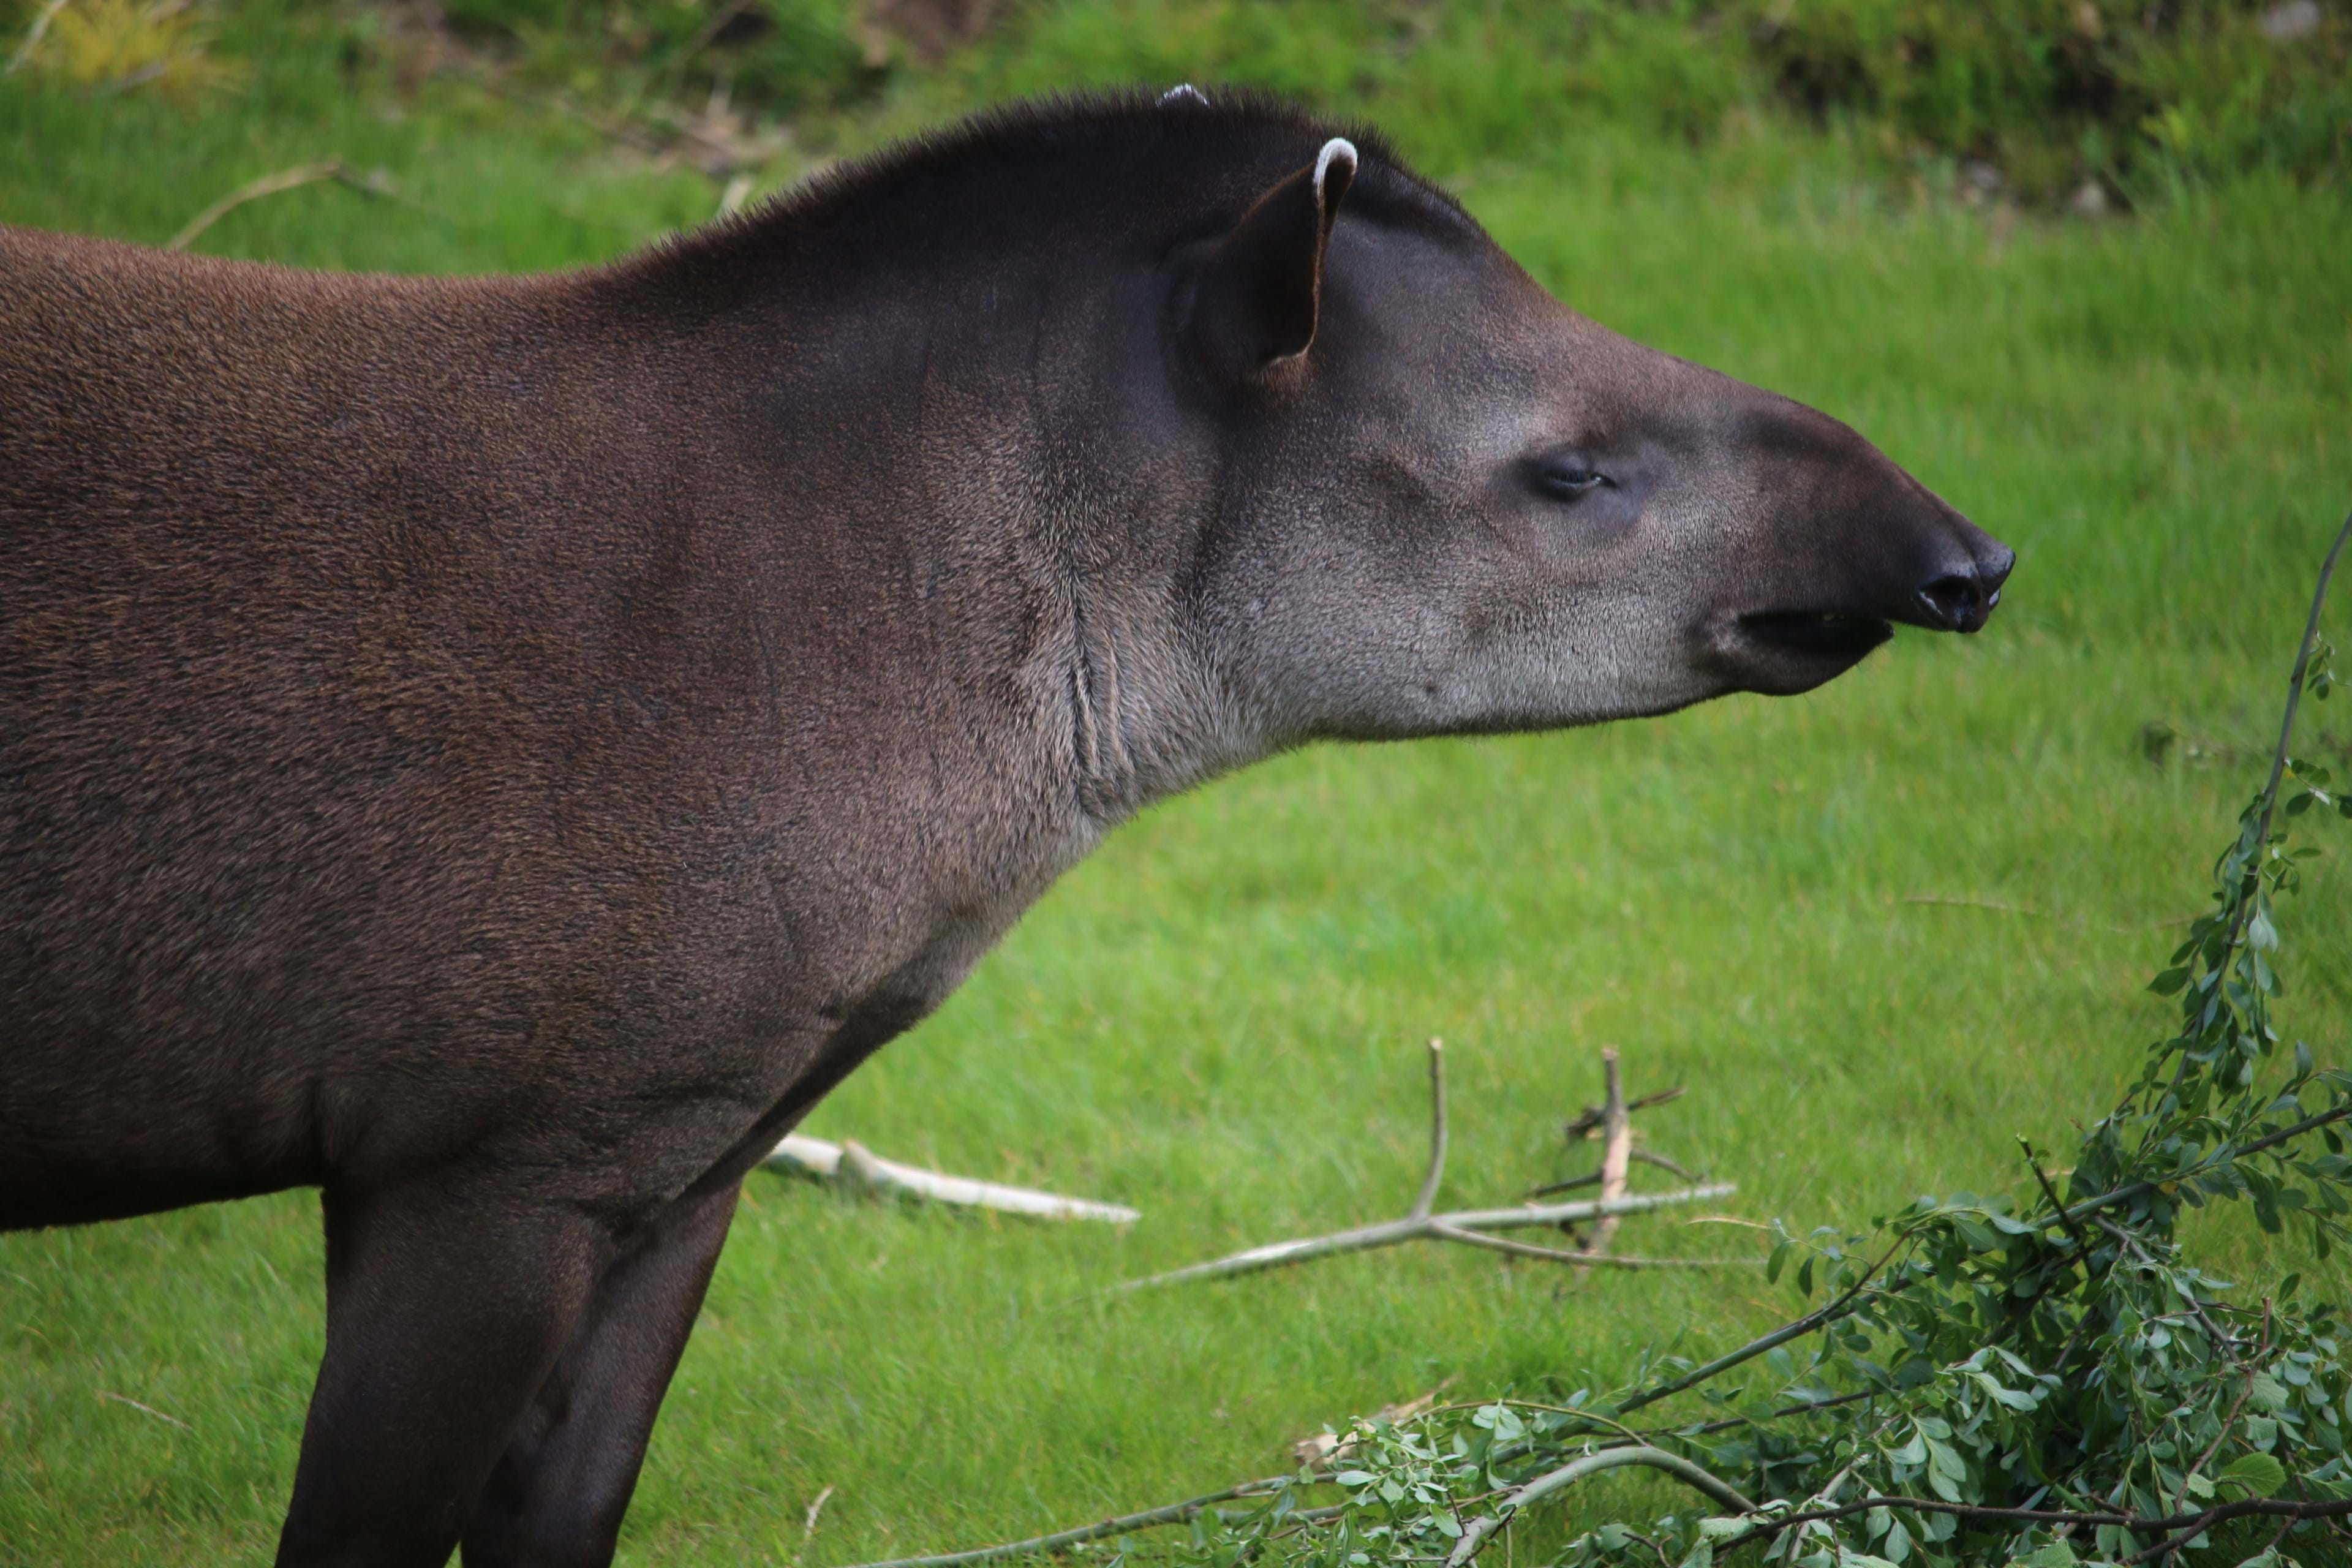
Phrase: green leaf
x=2169 y=981
x=2259 y=1474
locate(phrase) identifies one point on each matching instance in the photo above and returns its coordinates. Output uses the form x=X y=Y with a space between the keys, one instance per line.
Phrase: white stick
x=1418 y=1227
x=852 y=1160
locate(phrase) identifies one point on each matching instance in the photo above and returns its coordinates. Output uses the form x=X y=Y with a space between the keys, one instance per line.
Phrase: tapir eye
x=1565 y=479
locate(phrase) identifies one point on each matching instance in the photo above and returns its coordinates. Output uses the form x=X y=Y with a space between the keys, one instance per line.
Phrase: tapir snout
x=1848 y=546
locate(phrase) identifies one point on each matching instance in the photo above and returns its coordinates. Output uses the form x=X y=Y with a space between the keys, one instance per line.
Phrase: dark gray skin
x=500 y=751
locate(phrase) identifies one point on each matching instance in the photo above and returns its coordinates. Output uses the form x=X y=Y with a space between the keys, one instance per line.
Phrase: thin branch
x=1429 y=1183
x=2075 y=1231
x=283 y=180
x=33 y=36
x=1588 y=1119
x=1828 y=1314
x=2131 y=1190
x=1426 y=1228
x=1995 y=905
x=808 y=1520
x=1823 y=1493
x=2295 y=698
x=1475 y=1537
x=125 y=1399
x=1641 y=1156
x=1563 y=1254
x=852 y=1160
x=2248 y=884
x=1172 y=1513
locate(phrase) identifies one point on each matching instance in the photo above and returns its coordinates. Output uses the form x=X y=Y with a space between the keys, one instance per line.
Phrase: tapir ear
x=1258 y=293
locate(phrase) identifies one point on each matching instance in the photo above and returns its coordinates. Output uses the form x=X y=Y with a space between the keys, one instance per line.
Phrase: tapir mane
x=1113 y=168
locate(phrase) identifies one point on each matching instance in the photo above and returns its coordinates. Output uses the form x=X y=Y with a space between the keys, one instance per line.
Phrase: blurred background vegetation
x=2089 y=101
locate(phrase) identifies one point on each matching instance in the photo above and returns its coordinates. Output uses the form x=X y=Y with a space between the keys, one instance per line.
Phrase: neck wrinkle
x=1145 y=720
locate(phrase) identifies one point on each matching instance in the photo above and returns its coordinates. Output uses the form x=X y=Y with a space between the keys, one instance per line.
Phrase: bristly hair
x=1077 y=135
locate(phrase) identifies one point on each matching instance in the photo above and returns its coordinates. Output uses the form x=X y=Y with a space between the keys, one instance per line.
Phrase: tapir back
x=363 y=733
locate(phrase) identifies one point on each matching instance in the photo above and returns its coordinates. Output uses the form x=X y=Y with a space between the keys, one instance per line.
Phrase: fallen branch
x=1519 y=1497
x=1463 y=1225
x=1606 y=1260
x=851 y=1161
x=273 y=184
x=1432 y=1228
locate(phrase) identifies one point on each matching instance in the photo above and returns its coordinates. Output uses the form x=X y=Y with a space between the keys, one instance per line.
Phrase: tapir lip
x=1816 y=634
x=1787 y=651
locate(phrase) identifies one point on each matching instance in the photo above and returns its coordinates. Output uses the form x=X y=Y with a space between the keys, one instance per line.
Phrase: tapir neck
x=969 y=453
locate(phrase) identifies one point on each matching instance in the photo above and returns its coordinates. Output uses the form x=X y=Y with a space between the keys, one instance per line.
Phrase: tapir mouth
x=1825 y=636
x=1784 y=652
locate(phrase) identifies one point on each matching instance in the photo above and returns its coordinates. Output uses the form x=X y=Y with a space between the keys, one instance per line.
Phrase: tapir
x=499 y=750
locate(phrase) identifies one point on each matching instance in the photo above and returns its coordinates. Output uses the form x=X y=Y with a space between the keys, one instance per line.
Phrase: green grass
x=1220 y=1017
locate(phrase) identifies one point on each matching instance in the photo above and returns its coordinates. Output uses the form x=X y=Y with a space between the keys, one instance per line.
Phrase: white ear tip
x=1184 y=92
x=1338 y=150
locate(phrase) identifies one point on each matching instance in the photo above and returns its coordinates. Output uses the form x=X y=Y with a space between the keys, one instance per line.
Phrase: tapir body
x=500 y=750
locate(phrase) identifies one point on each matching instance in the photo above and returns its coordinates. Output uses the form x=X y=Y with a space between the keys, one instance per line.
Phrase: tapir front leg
x=448 y=1303
x=556 y=1498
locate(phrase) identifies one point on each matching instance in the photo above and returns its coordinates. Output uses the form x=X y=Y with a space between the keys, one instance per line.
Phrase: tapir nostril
x=1957 y=600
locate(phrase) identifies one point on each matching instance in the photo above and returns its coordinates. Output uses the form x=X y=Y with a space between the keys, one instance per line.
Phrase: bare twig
x=817 y=1507
x=1420 y=1224
x=1429 y=1183
x=1639 y=1156
x=1617 y=1144
x=33 y=36
x=124 y=1399
x=1995 y=905
x=1475 y=1537
x=1798 y=1329
x=1426 y=1228
x=2074 y=1231
x=272 y=184
x=1563 y=1254
x=1588 y=1119
x=851 y=1161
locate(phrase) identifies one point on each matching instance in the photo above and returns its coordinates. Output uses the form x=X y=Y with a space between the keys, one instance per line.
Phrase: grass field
x=1877 y=931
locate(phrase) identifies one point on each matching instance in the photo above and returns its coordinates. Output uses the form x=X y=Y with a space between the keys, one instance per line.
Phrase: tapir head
x=1449 y=503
